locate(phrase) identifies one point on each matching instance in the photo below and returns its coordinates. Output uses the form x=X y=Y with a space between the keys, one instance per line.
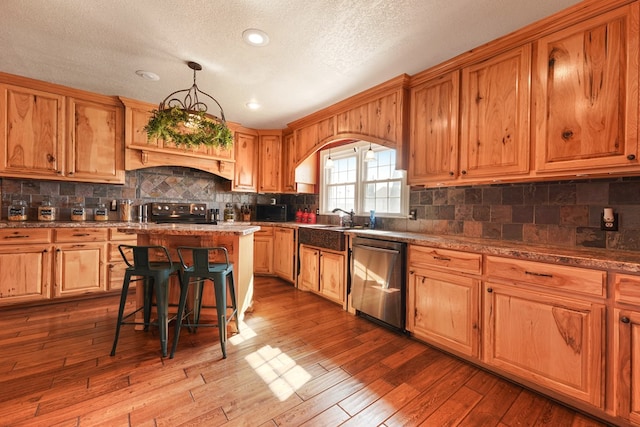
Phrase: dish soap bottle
x=372 y=219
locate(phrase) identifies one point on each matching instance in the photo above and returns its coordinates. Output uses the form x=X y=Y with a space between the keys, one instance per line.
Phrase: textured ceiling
x=320 y=51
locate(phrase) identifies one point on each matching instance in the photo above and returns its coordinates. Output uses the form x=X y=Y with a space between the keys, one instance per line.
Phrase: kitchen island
x=236 y=238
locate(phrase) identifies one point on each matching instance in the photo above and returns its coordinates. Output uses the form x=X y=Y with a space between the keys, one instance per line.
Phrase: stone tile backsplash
x=565 y=213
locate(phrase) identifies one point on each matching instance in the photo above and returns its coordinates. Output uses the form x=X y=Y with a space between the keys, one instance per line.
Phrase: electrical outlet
x=609 y=225
x=413 y=214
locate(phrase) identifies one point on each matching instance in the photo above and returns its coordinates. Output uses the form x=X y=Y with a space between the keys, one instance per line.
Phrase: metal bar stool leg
x=123 y=302
x=184 y=291
x=220 y=288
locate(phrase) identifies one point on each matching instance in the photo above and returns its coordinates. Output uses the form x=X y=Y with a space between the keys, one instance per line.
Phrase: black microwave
x=271 y=213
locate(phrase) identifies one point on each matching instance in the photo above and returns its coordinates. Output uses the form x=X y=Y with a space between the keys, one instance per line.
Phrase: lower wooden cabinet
x=25 y=273
x=263 y=251
x=79 y=268
x=553 y=341
x=444 y=309
x=284 y=253
x=323 y=272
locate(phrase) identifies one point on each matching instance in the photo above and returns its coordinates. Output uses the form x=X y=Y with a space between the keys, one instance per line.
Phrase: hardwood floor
x=299 y=360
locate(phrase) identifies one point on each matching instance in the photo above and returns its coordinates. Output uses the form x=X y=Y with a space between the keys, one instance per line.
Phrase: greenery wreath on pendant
x=188 y=128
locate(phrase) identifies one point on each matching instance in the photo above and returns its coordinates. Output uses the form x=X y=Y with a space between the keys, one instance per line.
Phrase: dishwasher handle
x=376 y=249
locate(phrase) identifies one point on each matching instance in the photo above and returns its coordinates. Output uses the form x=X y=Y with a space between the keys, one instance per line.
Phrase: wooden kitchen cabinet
x=32 y=124
x=309 y=138
x=443 y=298
x=25 y=265
x=626 y=356
x=94 y=145
x=494 y=118
x=263 y=251
x=79 y=260
x=284 y=253
x=545 y=324
x=322 y=272
x=433 y=144
x=269 y=156
x=115 y=264
x=52 y=133
x=246 y=155
x=332 y=276
x=586 y=93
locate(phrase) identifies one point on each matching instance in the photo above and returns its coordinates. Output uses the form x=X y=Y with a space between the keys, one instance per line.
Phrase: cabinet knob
x=567 y=134
x=489 y=290
x=631 y=157
x=625 y=319
x=463 y=172
x=451 y=173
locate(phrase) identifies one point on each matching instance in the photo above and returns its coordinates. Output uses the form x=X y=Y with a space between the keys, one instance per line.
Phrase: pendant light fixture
x=184 y=118
x=328 y=164
x=370 y=156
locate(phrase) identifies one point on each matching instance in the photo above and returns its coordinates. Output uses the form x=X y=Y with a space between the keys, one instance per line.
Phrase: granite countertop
x=63 y=224
x=241 y=229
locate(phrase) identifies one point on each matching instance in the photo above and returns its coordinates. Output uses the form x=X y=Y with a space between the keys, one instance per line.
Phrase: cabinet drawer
x=464 y=262
x=72 y=235
x=558 y=277
x=129 y=236
x=264 y=231
x=25 y=235
x=113 y=254
x=627 y=288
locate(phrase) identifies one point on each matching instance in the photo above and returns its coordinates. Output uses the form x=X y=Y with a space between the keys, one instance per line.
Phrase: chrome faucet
x=351 y=214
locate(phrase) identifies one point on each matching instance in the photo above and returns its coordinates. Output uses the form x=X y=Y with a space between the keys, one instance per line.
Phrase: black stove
x=177 y=213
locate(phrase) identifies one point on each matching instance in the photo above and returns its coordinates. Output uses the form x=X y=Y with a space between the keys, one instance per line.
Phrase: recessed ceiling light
x=148 y=75
x=252 y=105
x=255 y=37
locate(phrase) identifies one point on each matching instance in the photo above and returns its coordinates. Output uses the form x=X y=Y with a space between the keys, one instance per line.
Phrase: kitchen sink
x=323 y=236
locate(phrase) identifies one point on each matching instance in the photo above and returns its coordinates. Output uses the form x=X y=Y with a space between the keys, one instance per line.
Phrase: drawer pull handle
x=81 y=235
x=533 y=273
x=625 y=319
x=441 y=258
x=19 y=236
x=489 y=290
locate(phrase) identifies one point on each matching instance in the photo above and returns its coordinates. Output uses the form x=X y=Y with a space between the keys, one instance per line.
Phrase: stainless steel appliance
x=189 y=213
x=377 y=281
x=272 y=213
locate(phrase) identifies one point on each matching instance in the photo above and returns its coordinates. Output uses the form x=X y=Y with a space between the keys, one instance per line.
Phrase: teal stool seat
x=154 y=276
x=220 y=274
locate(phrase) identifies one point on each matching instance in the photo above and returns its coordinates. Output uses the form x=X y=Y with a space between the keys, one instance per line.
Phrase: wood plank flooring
x=299 y=361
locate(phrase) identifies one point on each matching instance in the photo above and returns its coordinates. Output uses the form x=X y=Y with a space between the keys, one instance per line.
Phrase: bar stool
x=154 y=276
x=221 y=275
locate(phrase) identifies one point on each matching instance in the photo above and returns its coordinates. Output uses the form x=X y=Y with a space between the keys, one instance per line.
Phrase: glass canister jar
x=229 y=214
x=124 y=210
x=17 y=211
x=47 y=212
x=78 y=213
x=101 y=213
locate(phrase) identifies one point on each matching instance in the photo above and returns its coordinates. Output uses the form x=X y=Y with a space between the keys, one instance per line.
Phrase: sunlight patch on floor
x=279 y=371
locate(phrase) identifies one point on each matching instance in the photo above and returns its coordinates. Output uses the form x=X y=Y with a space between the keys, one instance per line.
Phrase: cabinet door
x=552 y=341
x=32 y=132
x=332 y=276
x=433 y=152
x=95 y=150
x=269 y=158
x=25 y=273
x=263 y=254
x=627 y=364
x=444 y=309
x=79 y=268
x=288 y=164
x=587 y=94
x=494 y=131
x=284 y=255
x=309 y=278
x=246 y=168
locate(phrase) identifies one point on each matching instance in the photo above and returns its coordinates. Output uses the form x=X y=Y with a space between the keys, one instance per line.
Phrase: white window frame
x=359 y=149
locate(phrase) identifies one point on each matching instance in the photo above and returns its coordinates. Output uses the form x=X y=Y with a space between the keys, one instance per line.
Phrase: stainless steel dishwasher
x=377 y=280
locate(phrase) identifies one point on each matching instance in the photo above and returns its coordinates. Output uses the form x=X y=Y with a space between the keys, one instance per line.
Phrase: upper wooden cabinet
x=48 y=134
x=587 y=95
x=246 y=153
x=269 y=158
x=94 y=149
x=433 y=144
x=494 y=122
x=311 y=137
